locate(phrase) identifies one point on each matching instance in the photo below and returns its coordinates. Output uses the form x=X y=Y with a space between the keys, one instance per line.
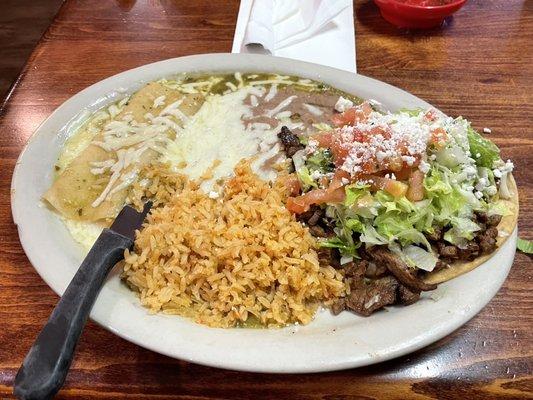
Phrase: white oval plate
x=328 y=343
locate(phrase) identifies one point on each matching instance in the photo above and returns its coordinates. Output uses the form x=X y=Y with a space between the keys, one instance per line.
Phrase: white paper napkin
x=319 y=31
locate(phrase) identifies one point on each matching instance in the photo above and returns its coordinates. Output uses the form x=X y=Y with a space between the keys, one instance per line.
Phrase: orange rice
x=236 y=260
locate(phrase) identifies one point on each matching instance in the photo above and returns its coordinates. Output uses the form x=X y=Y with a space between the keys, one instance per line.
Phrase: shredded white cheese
x=283 y=114
x=256 y=91
x=130 y=139
x=313 y=109
x=238 y=78
x=159 y=101
x=253 y=101
x=259 y=126
x=173 y=109
x=231 y=86
x=280 y=106
x=272 y=92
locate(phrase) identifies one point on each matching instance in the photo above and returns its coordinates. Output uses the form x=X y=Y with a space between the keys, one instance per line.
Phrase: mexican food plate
x=305 y=219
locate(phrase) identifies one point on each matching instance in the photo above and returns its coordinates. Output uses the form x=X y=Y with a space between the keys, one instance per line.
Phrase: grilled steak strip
x=407 y=296
x=490 y=220
x=374 y=270
x=367 y=297
x=290 y=142
x=487 y=240
x=400 y=270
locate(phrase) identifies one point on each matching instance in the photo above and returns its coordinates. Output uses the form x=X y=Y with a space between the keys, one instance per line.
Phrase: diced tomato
x=324 y=139
x=438 y=137
x=353 y=115
x=297 y=205
x=340 y=151
x=330 y=140
x=341 y=145
x=404 y=173
x=430 y=115
x=395 y=164
x=341 y=119
x=416 y=186
x=323 y=181
x=379 y=130
x=394 y=187
x=352 y=142
x=293 y=184
x=369 y=167
x=336 y=182
x=301 y=204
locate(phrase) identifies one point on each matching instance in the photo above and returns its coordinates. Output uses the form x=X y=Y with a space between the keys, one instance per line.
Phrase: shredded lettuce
x=344 y=239
x=483 y=150
x=354 y=192
x=414 y=112
x=381 y=219
x=447 y=200
x=371 y=236
x=451 y=206
x=303 y=139
x=367 y=207
x=355 y=225
x=453 y=236
x=305 y=178
x=298 y=159
x=525 y=246
x=436 y=183
x=346 y=249
x=505 y=191
x=334 y=242
x=412 y=235
x=462 y=229
x=392 y=223
x=392 y=204
x=321 y=160
x=484 y=172
x=451 y=156
x=498 y=208
x=322 y=126
x=420 y=258
x=396 y=220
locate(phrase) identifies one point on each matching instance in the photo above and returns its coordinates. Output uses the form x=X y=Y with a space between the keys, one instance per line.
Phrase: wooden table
x=478 y=66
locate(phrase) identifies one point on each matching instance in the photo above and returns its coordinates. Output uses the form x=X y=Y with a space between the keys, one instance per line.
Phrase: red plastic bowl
x=410 y=16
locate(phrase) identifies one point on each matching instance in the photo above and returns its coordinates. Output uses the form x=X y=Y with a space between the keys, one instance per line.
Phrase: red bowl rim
x=411 y=6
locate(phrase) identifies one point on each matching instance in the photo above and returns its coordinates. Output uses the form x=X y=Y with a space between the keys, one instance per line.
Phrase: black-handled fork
x=46 y=365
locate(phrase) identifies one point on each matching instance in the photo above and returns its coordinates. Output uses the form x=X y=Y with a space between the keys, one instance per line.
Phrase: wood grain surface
x=22 y=22
x=479 y=65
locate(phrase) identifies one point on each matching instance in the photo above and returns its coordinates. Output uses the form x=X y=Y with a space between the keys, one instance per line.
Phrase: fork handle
x=45 y=367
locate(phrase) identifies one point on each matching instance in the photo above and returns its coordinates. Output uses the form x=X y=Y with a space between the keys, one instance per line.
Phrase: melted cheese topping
x=217 y=132
x=79 y=142
x=83 y=232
